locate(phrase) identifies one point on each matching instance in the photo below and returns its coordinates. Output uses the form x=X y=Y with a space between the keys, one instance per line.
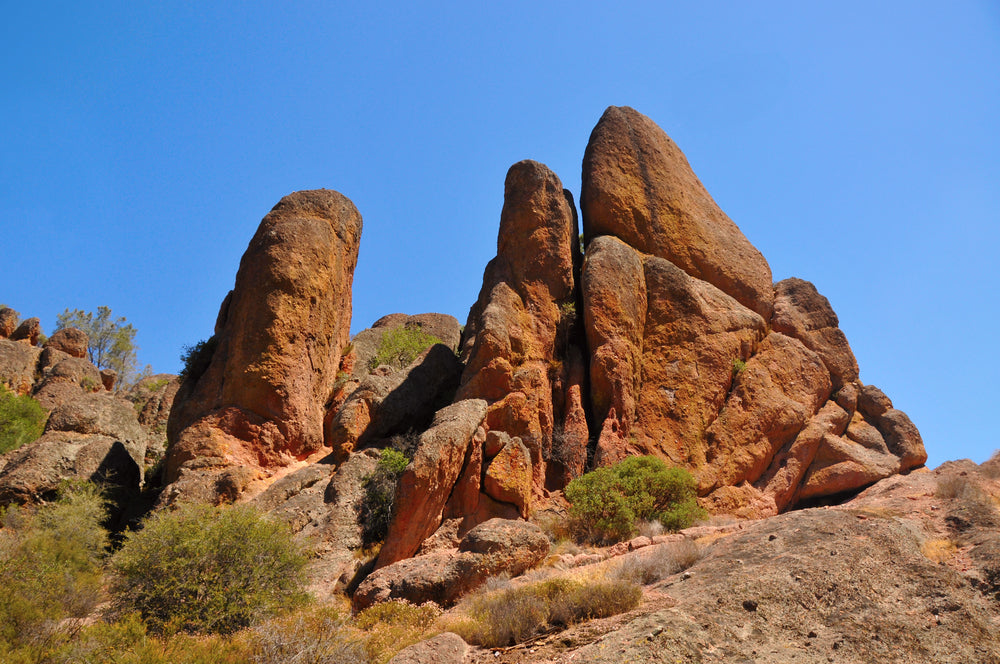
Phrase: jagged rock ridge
x=665 y=337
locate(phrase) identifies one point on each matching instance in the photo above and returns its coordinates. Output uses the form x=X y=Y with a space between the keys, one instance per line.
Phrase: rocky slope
x=905 y=572
x=91 y=432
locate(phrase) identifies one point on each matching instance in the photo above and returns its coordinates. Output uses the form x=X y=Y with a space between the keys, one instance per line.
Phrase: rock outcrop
x=8 y=322
x=376 y=402
x=523 y=343
x=697 y=359
x=497 y=546
x=69 y=340
x=92 y=437
x=258 y=399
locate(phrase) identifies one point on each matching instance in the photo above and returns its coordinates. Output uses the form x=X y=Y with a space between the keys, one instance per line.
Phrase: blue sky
x=856 y=144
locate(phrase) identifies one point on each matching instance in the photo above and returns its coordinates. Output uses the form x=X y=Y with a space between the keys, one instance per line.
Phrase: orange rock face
x=261 y=399
x=522 y=342
x=639 y=187
x=697 y=359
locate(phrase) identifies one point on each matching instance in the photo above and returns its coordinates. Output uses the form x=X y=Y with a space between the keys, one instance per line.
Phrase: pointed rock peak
x=639 y=187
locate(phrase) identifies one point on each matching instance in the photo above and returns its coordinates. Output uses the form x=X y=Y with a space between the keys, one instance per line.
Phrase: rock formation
x=523 y=347
x=666 y=336
x=270 y=369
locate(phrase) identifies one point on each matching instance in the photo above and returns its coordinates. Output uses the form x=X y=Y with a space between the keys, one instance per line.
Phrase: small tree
x=110 y=341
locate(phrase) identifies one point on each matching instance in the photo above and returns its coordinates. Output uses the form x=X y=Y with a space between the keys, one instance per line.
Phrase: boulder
x=257 y=395
x=508 y=476
x=523 y=340
x=772 y=399
x=8 y=321
x=108 y=378
x=498 y=546
x=638 y=186
x=395 y=402
x=801 y=312
x=29 y=330
x=69 y=340
x=365 y=343
x=427 y=482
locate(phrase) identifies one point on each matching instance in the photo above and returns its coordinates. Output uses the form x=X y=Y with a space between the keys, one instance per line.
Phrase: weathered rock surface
x=66 y=380
x=678 y=307
x=899 y=574
x=523 y=342
x=17 y=365
x=427 y=482
x=320 y=504
x=447 y=648
x=801 y=312
x=29 y=330
x=639 y=187
x=260 y=401
x=8 y=322
x=494 y=547
x=69 y=340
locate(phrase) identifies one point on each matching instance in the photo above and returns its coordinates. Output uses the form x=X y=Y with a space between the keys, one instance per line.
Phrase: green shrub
x=196 y=359
x=22 y=420
x=375 y=509
x=400 y=346
x=608 y=502
x=207 y=569
x=50 y=570
x=513 y=614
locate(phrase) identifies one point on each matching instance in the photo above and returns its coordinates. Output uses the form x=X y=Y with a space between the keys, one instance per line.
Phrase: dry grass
x=656 y=563
x=991 y=467
x=960 y=487
x=502 y=613
x=939 y=550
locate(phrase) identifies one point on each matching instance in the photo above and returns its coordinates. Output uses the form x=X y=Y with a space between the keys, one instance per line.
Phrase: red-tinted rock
x=801 y=312
x=8 y=321
x=428 y=481
x=639 y=187
x=522 y=332
x=29 y=330
x=69 y=340
x=272 y=366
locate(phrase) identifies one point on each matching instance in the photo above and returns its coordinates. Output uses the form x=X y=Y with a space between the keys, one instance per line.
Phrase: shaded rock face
x=523 y=343
x=29 y=330
x=372 y=403
x=260 y=402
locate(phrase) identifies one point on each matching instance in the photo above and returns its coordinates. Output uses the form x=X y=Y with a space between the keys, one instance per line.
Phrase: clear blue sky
x=856 y=144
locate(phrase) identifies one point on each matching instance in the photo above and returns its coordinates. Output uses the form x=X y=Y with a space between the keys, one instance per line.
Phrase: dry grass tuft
x=960 y=487
x=505 y=614
x=656 y=563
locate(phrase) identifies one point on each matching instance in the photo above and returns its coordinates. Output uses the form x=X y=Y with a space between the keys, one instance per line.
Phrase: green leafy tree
x=110 y=341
